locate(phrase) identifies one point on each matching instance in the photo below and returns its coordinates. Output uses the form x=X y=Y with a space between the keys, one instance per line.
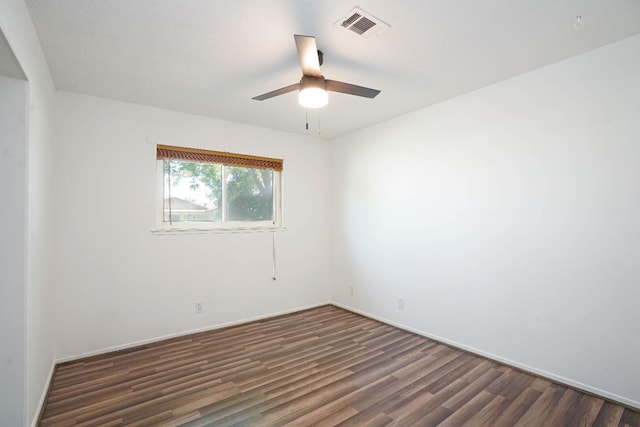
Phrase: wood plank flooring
x=320 y=367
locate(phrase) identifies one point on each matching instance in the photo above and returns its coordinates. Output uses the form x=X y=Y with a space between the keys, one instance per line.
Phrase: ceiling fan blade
x=308 y=55
x=277 y=92
x=350 y=89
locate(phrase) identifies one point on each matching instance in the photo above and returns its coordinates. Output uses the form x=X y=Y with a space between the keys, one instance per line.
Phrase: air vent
x=362 y=23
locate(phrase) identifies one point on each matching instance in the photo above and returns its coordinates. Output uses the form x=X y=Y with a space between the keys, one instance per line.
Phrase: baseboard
x=634 y=405
x=101 y=351
x=631 y=404
x=43 y=398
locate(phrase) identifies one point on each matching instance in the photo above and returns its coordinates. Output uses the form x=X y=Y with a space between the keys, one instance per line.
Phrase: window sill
x=217 y=230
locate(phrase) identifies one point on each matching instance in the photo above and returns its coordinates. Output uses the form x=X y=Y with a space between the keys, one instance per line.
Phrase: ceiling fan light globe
x=313 y=97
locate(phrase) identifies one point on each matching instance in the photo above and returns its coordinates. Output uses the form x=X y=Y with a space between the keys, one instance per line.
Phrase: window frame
x=218 y=226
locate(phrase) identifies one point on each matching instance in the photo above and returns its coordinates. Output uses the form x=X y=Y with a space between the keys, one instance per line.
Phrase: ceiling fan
x=313 y=86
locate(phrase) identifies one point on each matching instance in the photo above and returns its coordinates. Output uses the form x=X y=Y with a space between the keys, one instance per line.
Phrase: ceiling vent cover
x=362 y=23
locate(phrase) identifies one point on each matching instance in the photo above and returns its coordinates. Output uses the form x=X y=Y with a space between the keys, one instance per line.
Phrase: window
x=209 y=189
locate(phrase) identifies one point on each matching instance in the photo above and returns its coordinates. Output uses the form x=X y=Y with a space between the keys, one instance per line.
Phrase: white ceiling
x=210 y=57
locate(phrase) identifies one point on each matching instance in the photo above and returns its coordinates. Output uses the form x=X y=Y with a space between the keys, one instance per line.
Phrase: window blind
x=207 y=156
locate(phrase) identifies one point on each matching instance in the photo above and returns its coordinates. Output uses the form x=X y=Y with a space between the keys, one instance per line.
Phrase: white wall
x=18 y=29
x=13 y=249
x=120 y=284
x=508 y=220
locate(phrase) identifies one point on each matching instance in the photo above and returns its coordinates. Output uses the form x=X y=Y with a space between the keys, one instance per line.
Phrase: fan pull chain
x=274 y=256
x=306 y=118
x=169 y=186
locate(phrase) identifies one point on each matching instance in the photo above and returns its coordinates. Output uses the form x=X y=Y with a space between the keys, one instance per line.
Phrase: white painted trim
x=526 y=368
x=183 y=333
x=185 y=231
x=43 y=396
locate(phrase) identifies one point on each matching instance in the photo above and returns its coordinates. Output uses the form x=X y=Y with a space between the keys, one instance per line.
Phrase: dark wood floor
x=323 y=367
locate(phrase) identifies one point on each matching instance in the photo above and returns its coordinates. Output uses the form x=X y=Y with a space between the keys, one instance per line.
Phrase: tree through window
x=211 y=189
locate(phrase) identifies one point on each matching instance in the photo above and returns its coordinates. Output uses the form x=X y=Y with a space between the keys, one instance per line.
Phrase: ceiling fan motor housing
x=311 y=81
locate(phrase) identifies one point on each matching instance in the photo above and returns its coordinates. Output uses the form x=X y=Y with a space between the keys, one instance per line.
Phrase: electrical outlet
x=198 y=307
x=351 y=290
x=401 y=303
